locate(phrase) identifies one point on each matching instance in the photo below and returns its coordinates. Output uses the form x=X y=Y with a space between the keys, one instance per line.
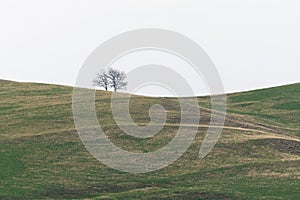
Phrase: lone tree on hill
x=111 y=78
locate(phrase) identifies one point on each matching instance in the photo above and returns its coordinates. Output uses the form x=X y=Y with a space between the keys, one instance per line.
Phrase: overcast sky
x=253 y=44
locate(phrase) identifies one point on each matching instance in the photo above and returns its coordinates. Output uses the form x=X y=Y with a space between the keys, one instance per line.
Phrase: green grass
x=279 y=105
x=41 y=155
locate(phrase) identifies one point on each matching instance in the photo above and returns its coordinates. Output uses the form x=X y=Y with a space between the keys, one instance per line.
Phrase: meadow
x=42 y=157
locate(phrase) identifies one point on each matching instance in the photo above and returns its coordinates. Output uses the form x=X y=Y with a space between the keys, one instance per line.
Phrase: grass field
x=42 y=157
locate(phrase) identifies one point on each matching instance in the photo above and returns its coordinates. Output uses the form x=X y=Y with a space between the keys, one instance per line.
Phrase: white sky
x=253 y=44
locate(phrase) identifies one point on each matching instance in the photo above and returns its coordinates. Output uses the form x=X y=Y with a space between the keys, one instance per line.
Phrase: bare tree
x=111 y=78
x=117 y=79
x=102 y=80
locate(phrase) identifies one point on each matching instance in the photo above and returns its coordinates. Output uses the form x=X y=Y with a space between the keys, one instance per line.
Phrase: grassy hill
x=41 y=155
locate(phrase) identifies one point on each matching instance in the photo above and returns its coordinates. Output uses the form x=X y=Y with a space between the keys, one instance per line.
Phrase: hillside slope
x=41 y=155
